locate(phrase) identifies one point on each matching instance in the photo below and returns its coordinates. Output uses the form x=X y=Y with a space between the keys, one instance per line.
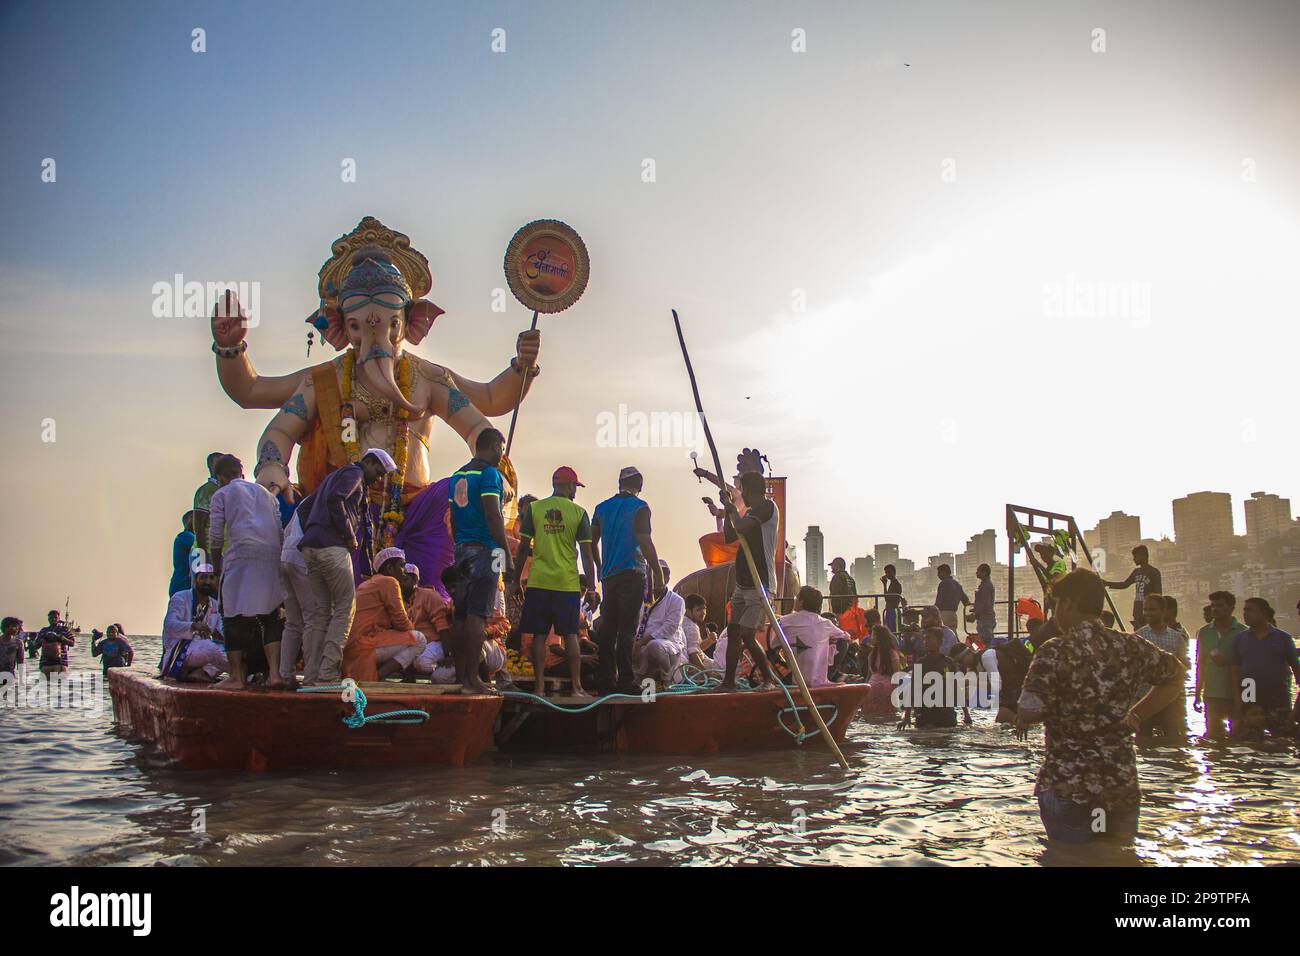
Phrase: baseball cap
x=835 y=561
x=564 y=473
x=629 y=472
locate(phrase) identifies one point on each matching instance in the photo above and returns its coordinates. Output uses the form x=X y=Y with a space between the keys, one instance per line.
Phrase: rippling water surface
x=73 y=791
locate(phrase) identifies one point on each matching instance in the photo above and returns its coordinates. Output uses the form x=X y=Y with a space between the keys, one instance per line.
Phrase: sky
x=930 y=258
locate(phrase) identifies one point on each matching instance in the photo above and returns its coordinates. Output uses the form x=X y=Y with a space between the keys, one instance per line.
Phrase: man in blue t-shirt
x=479 y=530
x=1263 y=657
x=624 y=553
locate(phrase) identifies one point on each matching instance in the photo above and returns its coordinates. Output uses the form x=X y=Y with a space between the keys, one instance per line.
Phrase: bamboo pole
x=514 y=415
x=753 y=569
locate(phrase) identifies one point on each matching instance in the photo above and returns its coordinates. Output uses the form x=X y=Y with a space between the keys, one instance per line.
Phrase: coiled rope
x=359 y=718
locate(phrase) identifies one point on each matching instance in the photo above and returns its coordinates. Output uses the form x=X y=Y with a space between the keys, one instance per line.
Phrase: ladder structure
x=1021 y=523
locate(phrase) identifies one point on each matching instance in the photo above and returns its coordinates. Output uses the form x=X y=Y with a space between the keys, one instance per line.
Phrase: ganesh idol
x=375 y=394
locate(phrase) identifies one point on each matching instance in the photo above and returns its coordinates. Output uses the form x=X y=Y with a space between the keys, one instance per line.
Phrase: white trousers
x=404 y=654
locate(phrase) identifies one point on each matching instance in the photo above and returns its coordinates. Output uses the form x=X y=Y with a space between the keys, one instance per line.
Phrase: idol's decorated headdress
x=373 y=263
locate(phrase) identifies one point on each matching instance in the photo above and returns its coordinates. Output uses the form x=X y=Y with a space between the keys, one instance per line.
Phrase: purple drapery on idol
x=423 y=536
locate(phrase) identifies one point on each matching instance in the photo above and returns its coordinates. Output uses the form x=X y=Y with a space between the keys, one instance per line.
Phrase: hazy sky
x=1058 y=277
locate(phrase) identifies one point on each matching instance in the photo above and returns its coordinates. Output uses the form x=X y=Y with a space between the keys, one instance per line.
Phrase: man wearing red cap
x=554 y=529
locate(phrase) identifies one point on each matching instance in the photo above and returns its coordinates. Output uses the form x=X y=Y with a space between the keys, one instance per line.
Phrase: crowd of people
x=48 y=648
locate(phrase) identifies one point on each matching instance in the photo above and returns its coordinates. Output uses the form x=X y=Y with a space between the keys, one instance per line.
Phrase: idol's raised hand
x=229 y=323
x=528 y=346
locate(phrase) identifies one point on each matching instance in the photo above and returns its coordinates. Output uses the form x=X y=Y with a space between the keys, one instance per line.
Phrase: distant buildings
x=1267 y=517
x=814 y=549
x=1203 y=524
x=886 y=554
x=1117 y=534
x=864 y=574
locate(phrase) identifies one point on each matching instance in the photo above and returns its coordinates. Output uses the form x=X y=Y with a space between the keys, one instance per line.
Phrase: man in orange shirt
x=383 y=640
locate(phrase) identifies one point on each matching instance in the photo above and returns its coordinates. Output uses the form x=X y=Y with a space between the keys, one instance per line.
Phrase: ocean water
x=73 y=790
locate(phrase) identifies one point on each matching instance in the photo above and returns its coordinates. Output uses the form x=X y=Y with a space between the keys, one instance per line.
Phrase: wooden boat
x=205 y=729
x=696 y=723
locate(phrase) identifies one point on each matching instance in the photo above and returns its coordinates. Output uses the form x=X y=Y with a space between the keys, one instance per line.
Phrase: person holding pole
x=758 y=527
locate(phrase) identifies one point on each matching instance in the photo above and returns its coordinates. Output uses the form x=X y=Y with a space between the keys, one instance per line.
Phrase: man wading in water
x=1080 y=685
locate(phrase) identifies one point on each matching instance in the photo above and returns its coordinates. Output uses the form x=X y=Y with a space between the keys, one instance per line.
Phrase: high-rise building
x=1117 y=535
x=944 y=557
x=1203 y=525
x=886 y=554
x=864 y=574
x=814 y=548
x=1267 y=517
x=981 y=548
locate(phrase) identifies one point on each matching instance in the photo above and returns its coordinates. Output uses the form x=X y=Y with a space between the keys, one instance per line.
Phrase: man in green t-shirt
x=202 y=506
x=1214 y=690
x=553 y=529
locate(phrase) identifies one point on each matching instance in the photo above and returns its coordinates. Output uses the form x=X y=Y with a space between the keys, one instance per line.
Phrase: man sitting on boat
x=383 y=640
x=193 y=648
x=431 y=616
x=660 y=646
x=811 y=635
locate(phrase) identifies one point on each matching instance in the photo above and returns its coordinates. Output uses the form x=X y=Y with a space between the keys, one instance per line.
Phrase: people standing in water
x=331 y=532
x=624 y=551
x=1144 y=578
x=1171 y=721
x=1082 y=686
x=13 y=659
x=114 y=649
x=248 y=571
x=53 y=642
x=555 y=531
x=482 y=553
x=1214 y=690
x=1261 y=659
x=883 y=662
x=182 y=545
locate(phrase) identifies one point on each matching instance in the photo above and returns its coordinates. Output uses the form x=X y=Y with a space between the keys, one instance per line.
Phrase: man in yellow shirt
x=553 y=530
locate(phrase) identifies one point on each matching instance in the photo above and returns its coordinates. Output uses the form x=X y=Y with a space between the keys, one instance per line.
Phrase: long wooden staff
x=514 y=415
x=753 y=567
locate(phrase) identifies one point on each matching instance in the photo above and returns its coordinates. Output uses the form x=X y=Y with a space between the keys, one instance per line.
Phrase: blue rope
x=358 y=718
x=800 y=736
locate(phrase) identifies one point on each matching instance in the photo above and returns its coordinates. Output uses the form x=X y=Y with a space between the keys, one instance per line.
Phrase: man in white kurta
x=193 y=624
x=245 y=539
x=660 y=646
x=811 y=635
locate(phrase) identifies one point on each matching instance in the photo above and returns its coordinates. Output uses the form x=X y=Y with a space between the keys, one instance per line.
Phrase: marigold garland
x=391 y=504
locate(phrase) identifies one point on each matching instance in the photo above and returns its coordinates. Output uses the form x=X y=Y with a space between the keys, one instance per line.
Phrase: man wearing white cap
x=331 y=532
x=191 y=631
x=383 y=640
x=431 y=616
x=244 y=538
x=624 y=553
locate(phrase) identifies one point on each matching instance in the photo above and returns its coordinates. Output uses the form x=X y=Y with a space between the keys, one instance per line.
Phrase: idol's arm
x=501 y=395
x=238 y=378
x=287 y=428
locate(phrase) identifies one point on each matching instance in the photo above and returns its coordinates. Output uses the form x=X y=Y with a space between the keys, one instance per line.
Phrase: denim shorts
x=1070 y=822
x=476 y=582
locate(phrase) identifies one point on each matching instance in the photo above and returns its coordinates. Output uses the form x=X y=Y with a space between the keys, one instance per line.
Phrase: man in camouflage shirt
x=1081 y=686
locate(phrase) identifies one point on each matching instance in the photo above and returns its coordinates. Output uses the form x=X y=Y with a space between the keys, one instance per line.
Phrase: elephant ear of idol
x=370 y=234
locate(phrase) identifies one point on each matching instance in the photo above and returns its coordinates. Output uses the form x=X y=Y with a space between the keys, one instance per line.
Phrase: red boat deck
x=676 y=723
x=206 y=729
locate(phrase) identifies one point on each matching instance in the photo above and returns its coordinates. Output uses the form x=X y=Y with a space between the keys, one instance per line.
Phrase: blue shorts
x=545 y=609
x=1071 y=822
x=476 y=582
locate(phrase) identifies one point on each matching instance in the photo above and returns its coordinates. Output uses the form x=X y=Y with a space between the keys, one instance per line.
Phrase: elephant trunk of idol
x=375 y=366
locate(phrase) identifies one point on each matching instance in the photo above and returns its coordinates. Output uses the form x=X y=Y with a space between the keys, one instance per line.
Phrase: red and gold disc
x=547 y=266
